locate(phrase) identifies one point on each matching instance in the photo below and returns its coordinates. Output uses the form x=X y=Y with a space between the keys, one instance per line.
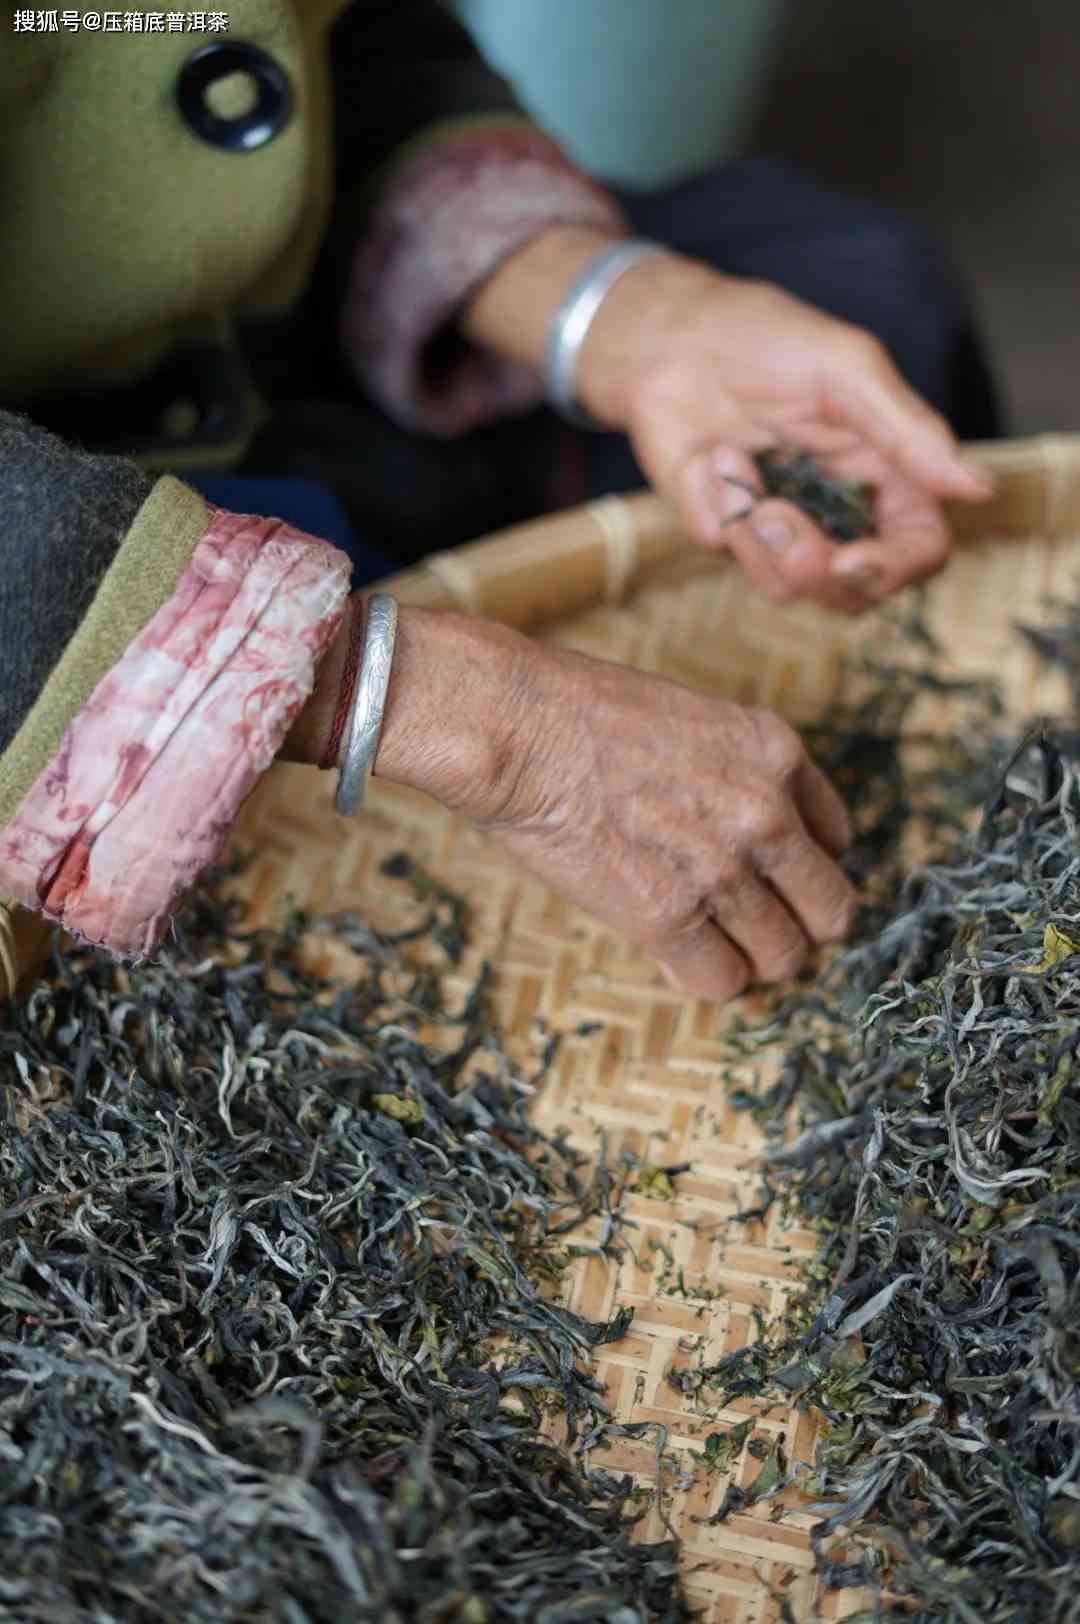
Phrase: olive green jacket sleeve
x=92 y=547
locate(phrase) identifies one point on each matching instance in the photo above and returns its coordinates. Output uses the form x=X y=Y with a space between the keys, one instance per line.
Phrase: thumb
x=710 y=475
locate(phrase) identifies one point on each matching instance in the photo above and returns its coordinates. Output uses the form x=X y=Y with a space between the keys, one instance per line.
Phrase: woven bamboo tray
x=620 y=581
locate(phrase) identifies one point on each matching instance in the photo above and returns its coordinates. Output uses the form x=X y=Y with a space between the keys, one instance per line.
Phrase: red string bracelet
x=348 y=685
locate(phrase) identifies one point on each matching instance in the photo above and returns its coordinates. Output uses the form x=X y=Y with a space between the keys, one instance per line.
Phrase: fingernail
x=774 y=532
x=732 y=499
x=730 y=504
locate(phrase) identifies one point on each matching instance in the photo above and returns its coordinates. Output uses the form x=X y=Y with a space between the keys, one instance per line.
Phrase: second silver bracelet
x=571 y=322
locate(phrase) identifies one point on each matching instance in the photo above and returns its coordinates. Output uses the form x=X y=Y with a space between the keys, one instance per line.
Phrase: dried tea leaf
x=842 y=508
x=1057 y=947
x=276 y=1333
x=656 y=1182
x=402 y=1107
x=773 y=1476
x=1063 y=1522
x=722 y=1449
x=923 y=1125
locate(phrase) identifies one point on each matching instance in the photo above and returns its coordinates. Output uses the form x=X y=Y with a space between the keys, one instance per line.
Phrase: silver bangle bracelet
x=571 y=322
x=369 y=702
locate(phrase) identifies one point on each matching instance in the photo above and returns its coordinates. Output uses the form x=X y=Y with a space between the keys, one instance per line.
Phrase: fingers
x=763 y=928
x=707 y=468
x=752 y=937
x=769 y=937
x=868 y=415
x=703 y=962
x=783 y=897
x=912 y=543
x=878 y=569
x=783 y=552
x=821 y=808
x=696 y=826
x=787 y=555
x=792 y=833
x=819 y=895
x=863 y=386
x=717 y=487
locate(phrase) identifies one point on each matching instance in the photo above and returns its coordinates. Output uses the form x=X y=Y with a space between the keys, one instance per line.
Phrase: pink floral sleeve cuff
x=446 y=219
x=151 y=773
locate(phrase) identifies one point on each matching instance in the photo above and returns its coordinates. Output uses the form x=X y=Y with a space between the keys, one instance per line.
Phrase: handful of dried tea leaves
x=273 y=1338
x=843 y=508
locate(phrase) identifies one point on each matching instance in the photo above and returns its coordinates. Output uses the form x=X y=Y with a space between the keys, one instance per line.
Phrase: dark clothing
x=65 y=513
x=307 y=506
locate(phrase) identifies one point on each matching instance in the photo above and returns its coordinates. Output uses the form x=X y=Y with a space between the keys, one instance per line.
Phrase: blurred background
x=967 y=116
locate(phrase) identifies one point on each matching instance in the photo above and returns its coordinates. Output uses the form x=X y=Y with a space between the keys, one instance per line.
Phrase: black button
x=251 y=129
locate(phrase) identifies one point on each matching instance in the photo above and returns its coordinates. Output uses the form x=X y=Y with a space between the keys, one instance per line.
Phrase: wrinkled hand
x=698 y=829
x=703 y=369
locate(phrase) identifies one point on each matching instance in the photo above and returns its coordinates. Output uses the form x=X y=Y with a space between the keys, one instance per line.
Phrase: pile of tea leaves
x=277 y=1333
x=933 y=1076
x=843 y=508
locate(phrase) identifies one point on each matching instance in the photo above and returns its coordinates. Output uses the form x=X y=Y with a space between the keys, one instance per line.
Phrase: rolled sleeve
x=446 y=217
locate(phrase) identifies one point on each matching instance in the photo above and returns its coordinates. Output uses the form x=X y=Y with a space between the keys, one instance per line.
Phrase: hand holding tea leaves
x=704 y=370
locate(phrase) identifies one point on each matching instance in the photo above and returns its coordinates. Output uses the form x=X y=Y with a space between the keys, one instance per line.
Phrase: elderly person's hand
x=698 y=829
x=701 y=370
